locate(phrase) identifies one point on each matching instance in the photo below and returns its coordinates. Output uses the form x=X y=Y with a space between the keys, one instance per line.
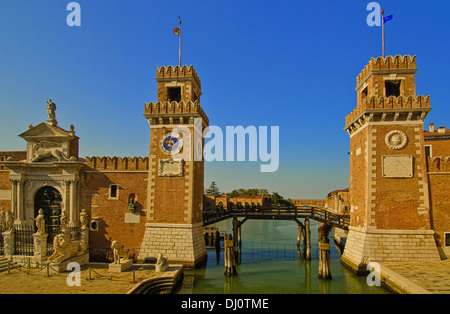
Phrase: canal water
x=270 y=264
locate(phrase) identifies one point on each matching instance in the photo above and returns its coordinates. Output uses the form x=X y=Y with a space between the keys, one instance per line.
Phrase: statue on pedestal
x=161 y=264
x=119 y=252
x=84 y=219
x=40 y=222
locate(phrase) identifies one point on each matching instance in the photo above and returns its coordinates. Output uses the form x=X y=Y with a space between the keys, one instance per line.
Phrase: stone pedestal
x=40 y=247
x=85 y=236
x=364 y=246
x=120 y=267
x=8 y=242
x=62 y=266
x=179 y=243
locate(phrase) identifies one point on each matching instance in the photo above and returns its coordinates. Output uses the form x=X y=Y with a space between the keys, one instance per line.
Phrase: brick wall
x=113 y=216
x=439 y=181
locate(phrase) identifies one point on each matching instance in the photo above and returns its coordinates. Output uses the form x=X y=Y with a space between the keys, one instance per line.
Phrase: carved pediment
x=48 y=132
x=48 y=143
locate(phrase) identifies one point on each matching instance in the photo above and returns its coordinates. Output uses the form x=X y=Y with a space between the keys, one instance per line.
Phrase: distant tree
x=276 y=198
x=247 y=192
x=213 y=189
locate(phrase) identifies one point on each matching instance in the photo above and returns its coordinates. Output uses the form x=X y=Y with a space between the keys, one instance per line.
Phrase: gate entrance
x=49 y=200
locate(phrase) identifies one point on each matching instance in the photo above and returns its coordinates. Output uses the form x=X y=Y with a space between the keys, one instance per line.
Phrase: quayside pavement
x=35 y=281
x=417 y=277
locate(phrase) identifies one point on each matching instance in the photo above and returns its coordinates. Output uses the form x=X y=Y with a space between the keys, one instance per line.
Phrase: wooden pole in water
x=230 y=262
x=324 y=252
x=299 y=235
x=308 y=239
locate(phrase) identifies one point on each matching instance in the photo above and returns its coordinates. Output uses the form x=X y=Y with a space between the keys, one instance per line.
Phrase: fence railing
x=23 y=240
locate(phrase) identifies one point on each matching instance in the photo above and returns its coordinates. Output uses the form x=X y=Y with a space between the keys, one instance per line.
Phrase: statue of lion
x=65 y=249
x=119 y=252
x=44 y=150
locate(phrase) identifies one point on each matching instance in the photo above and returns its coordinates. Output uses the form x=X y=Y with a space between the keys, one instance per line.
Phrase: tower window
x=392 y=88
x=113 y=191
x=447 y=239
x=428 y=151
x=364 y=92
x=174 y=94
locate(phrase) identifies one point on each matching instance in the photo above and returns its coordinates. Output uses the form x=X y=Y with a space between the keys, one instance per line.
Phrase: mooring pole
x=230 y=261
x=324 y=252
x=308 y=239
x=299 y=235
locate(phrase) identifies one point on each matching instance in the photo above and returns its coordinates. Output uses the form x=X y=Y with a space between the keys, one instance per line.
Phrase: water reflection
x=271 y=263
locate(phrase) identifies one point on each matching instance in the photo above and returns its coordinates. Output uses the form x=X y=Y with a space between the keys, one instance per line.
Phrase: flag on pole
x=387 y=18
x=177 y=31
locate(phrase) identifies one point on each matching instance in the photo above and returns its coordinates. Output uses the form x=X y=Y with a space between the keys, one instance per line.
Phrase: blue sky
x=291 y=64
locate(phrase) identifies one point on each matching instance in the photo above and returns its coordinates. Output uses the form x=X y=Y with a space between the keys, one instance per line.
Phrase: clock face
x=171 y=143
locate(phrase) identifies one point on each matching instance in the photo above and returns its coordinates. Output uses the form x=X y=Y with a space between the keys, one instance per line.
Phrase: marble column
x=20 y=204
x=14 y=198
x=74 y=220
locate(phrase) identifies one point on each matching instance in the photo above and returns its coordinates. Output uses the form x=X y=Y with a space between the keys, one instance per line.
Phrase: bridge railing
x=317 y=213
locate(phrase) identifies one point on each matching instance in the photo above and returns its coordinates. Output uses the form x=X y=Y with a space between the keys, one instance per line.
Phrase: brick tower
x=390 y=207
x=175 y=182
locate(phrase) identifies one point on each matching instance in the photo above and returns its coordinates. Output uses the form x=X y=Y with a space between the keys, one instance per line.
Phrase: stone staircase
x=4 y=264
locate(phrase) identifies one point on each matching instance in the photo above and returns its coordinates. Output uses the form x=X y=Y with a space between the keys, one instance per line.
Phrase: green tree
x=213 y=189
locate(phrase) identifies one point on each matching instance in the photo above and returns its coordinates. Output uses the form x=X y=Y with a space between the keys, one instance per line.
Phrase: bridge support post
x=324 y=252
x=308 y=238
x=299 y=235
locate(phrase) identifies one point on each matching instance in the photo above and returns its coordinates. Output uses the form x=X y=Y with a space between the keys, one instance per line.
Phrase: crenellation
x=118 y=163
x=389 y=63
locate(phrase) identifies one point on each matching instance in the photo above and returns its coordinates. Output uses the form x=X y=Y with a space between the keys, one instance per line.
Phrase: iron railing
x=23 y=240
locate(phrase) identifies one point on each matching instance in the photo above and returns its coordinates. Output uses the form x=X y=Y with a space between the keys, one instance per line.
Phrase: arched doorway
x=49 y=200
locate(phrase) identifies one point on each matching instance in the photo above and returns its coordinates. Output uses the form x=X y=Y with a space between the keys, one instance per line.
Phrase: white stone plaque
x=170 y=168
x=397 y=166
x=131 y=218
x=5 y=195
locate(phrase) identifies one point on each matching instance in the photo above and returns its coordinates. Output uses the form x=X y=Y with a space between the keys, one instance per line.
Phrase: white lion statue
x=119 y=252
x=65 y=249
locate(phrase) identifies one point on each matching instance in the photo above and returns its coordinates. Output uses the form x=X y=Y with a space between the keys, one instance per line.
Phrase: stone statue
x=65 y=249
x=161 y=264
x=131 y=205
x=84 y=219
x=9 y=220
x=2 y=219
x=64 y=221
x=119 y=252
x=51 y=108
x=40 y=222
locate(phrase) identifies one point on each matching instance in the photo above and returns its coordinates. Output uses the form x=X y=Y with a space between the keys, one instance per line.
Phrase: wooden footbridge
x=328 y=219
x=317 y=213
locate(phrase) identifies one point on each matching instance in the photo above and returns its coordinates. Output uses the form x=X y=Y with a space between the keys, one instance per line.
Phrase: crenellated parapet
x=390 y=63
x=439 y=164
x=390 y=109
x=118 y=163
x=177 y=112
x=177 y=72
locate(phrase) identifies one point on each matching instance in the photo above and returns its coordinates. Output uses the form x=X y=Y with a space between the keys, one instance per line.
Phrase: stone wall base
x=364 y=246
x=178 y=243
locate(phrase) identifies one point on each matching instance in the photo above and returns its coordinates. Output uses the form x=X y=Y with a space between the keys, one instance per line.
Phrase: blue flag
x=387 y=18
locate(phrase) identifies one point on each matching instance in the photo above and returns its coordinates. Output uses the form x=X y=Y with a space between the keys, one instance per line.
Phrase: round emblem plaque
x=171 y=143
x=396 y=140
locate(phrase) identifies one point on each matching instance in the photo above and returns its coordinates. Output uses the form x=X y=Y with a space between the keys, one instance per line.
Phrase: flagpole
x=382 y=30
x=180 y=42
